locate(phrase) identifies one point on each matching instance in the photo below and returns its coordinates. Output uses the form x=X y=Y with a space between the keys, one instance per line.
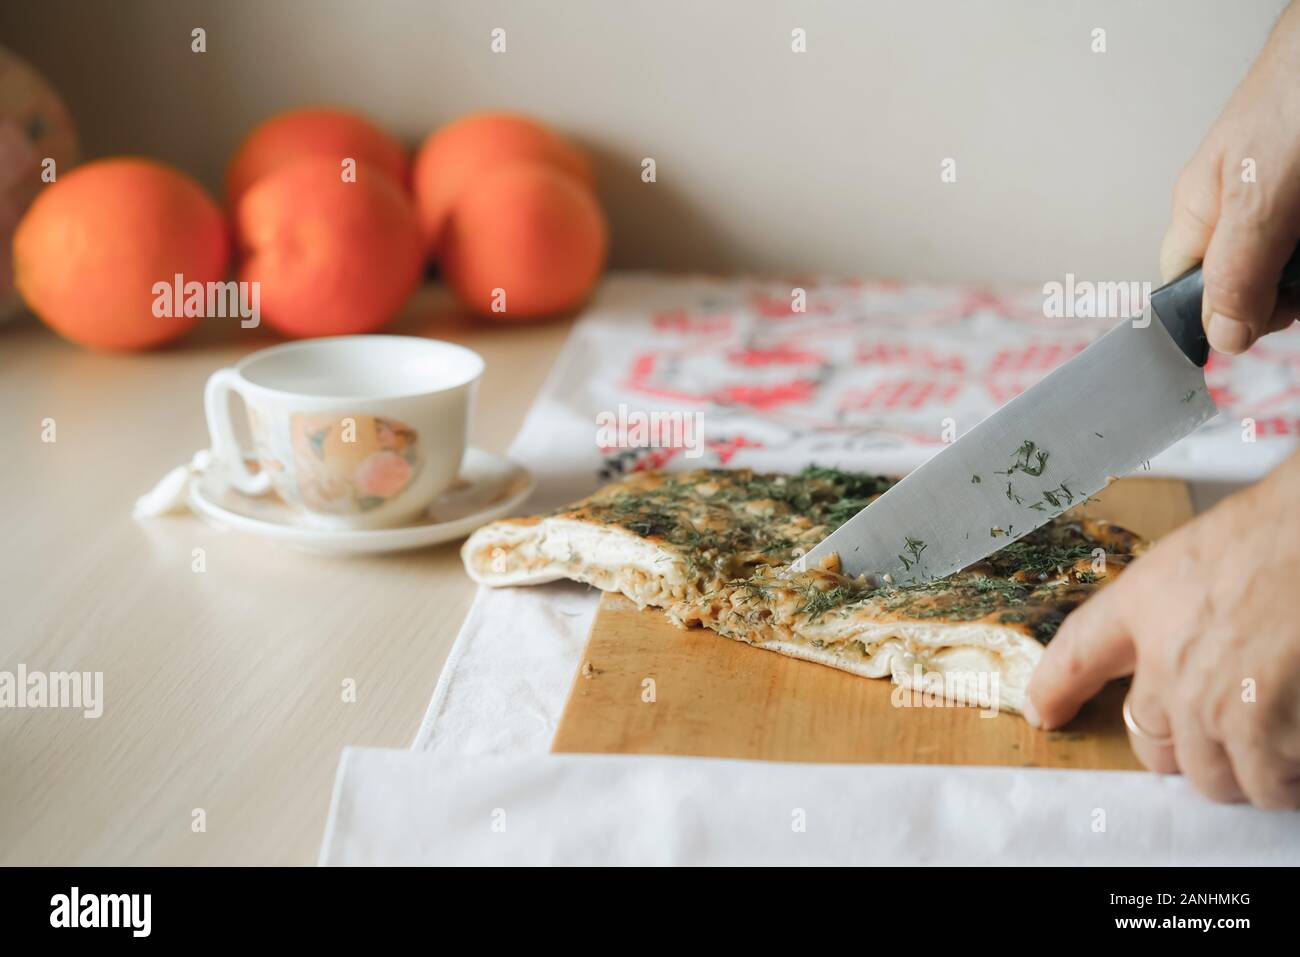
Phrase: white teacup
x=355 y=431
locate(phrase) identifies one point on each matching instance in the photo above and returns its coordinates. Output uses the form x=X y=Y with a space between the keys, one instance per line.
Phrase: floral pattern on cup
x=263 y=449
x=351 y=463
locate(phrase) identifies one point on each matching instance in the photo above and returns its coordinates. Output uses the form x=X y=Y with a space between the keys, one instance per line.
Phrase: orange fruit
x=460 y=151
x=530 y=231
x=318 y=131
x=34 y=128
x=332 y=257
x=91 y=247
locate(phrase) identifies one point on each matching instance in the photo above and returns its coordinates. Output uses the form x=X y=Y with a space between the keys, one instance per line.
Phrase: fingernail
x=1030 y=713
x=1227 y=335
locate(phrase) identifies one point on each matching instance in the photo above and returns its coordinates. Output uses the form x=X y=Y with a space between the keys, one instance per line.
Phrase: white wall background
x=768 y=161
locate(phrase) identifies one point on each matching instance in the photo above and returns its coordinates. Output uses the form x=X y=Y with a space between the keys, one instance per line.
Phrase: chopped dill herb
x=1012 y=592
x=1035 y=556
x=817 y=602
x=914 y=548
x=851 y=484
x=963 y=600
x=1029 y=458
x=1053 y=497
x=845 y=509
x=753 y=590
x=827 y=496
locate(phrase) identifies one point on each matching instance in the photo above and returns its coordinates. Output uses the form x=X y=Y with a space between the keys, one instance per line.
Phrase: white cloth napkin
x=396 y=807
x=862 y=380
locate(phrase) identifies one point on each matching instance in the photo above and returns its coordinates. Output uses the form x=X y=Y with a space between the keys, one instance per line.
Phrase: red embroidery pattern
x=877 y=367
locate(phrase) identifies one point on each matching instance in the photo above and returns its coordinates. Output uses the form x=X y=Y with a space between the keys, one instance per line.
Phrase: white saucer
x=489 y=486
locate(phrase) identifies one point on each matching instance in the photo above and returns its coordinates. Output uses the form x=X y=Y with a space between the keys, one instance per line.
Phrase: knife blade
x=1128 y=396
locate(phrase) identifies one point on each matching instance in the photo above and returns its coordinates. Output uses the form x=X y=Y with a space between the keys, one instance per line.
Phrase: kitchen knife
x=1131 y=394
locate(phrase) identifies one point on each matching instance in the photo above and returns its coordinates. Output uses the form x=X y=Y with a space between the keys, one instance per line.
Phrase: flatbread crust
x=711 y=548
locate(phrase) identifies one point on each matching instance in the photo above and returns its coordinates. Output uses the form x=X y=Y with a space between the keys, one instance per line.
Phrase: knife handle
x=1178 y=305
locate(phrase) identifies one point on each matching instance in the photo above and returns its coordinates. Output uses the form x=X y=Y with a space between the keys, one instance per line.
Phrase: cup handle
x=225 y=447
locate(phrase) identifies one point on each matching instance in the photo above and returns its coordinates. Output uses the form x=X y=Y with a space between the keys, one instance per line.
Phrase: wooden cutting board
x=647 y=687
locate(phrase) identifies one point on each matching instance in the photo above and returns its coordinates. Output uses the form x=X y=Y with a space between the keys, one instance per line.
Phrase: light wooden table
x=223 y=689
